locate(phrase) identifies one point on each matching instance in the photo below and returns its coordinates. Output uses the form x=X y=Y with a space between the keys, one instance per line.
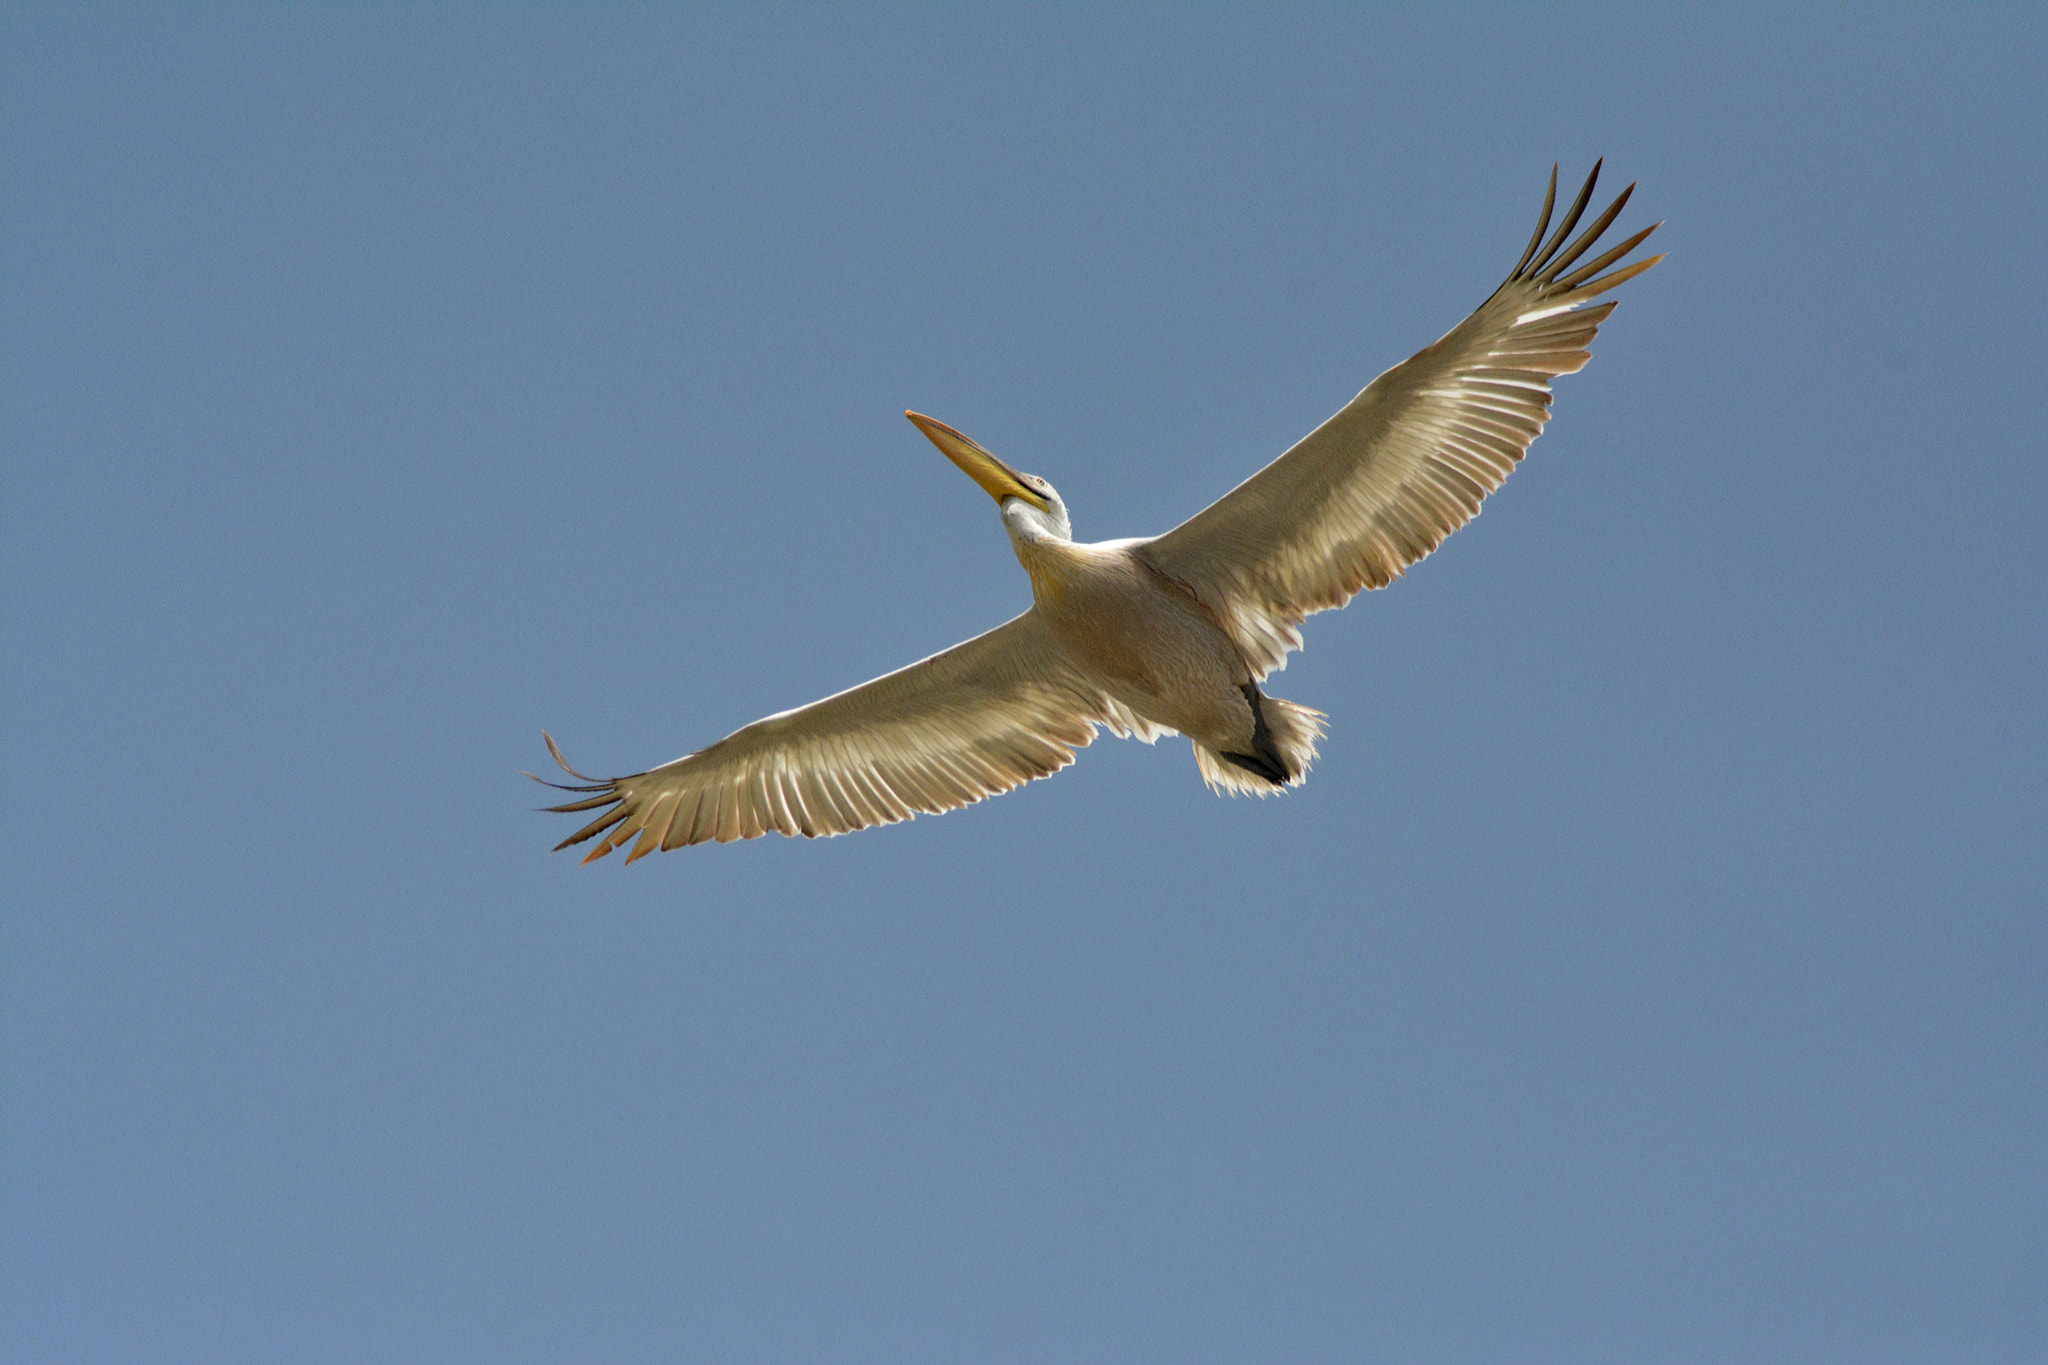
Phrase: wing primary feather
x=781 y=818
x=858 y=816
x=732 y=796
x=896 y=790
x=557 y=752
x=604 y=798
x=597 y=826
x=799 y=809
x=1586 y=272
x=655 y=829
x=1571 y=220
x=604 y=846
x=839 y=789
x=789 y=819
x=669 y=817
x=916 y=780
x=793 y=800
x=1607 y=282
x=704 y=819
x=966 y=773
x=972 y=772
x=767 y=807
x=684 y=821
x=775 y=814
x=818 y=796
x=755 y=817
x=566 y=786
x=1585 y=239
x=1549 y=203
x=951 y=781
x=913 y=786
x=880 y=800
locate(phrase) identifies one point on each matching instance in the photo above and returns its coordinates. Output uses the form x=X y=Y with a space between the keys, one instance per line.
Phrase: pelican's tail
x=1286 y=744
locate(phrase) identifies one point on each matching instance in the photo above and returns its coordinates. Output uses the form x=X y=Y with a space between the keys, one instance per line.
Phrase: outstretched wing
x=975 y=720
x=1408 y=460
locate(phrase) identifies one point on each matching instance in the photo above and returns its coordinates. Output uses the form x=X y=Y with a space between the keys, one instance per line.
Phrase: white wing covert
x=1406 y=462
x=980 y=718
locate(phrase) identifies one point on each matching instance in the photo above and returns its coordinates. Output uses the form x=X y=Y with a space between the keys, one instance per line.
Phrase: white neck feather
x=1028 y=525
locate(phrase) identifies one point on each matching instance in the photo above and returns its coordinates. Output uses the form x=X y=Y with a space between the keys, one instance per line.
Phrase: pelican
x=1151 y=637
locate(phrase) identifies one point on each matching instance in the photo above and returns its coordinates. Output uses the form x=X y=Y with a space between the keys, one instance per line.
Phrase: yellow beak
x=999 y=479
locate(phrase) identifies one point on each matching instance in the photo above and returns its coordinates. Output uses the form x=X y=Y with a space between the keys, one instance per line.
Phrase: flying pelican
x=1170 y=634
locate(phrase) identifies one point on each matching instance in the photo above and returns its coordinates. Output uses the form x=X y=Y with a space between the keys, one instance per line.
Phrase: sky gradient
x=1652 y=969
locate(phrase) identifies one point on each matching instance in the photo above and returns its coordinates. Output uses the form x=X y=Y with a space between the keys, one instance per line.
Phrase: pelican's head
x=1032 y=509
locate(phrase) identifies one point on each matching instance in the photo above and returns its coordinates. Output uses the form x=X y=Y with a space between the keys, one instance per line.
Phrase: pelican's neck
x=1044 y=543
x=1028 y=524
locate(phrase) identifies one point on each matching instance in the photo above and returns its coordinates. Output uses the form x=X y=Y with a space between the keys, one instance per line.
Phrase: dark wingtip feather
x=601 y=823
x=1549 y=202
x=1563 y=260
x=1587 y=272
x=1618 y=278
x=1571 y=220
x=603 y=798
x=556 y=750
x=564 y=786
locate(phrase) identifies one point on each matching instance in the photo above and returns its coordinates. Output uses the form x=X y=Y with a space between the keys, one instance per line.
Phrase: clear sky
x=1654 y=968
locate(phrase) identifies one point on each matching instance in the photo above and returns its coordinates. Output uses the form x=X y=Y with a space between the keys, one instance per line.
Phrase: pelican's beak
x=999 y=479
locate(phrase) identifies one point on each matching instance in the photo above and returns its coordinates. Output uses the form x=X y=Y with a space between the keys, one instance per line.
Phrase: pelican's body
x=1161 y=635
x=1147 y=641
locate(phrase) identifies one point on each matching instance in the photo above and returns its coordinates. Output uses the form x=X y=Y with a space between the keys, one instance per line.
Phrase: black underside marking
x=1265 y=759
x=1252 y=763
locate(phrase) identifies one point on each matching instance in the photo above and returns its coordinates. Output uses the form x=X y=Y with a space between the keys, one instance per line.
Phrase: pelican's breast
x=1147 y=639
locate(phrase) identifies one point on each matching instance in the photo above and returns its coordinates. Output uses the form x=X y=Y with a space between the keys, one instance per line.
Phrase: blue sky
x=1651 y=970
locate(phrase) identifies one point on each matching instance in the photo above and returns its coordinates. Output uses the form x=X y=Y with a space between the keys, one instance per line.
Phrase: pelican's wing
x=978 y=719
x=1408 y=460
